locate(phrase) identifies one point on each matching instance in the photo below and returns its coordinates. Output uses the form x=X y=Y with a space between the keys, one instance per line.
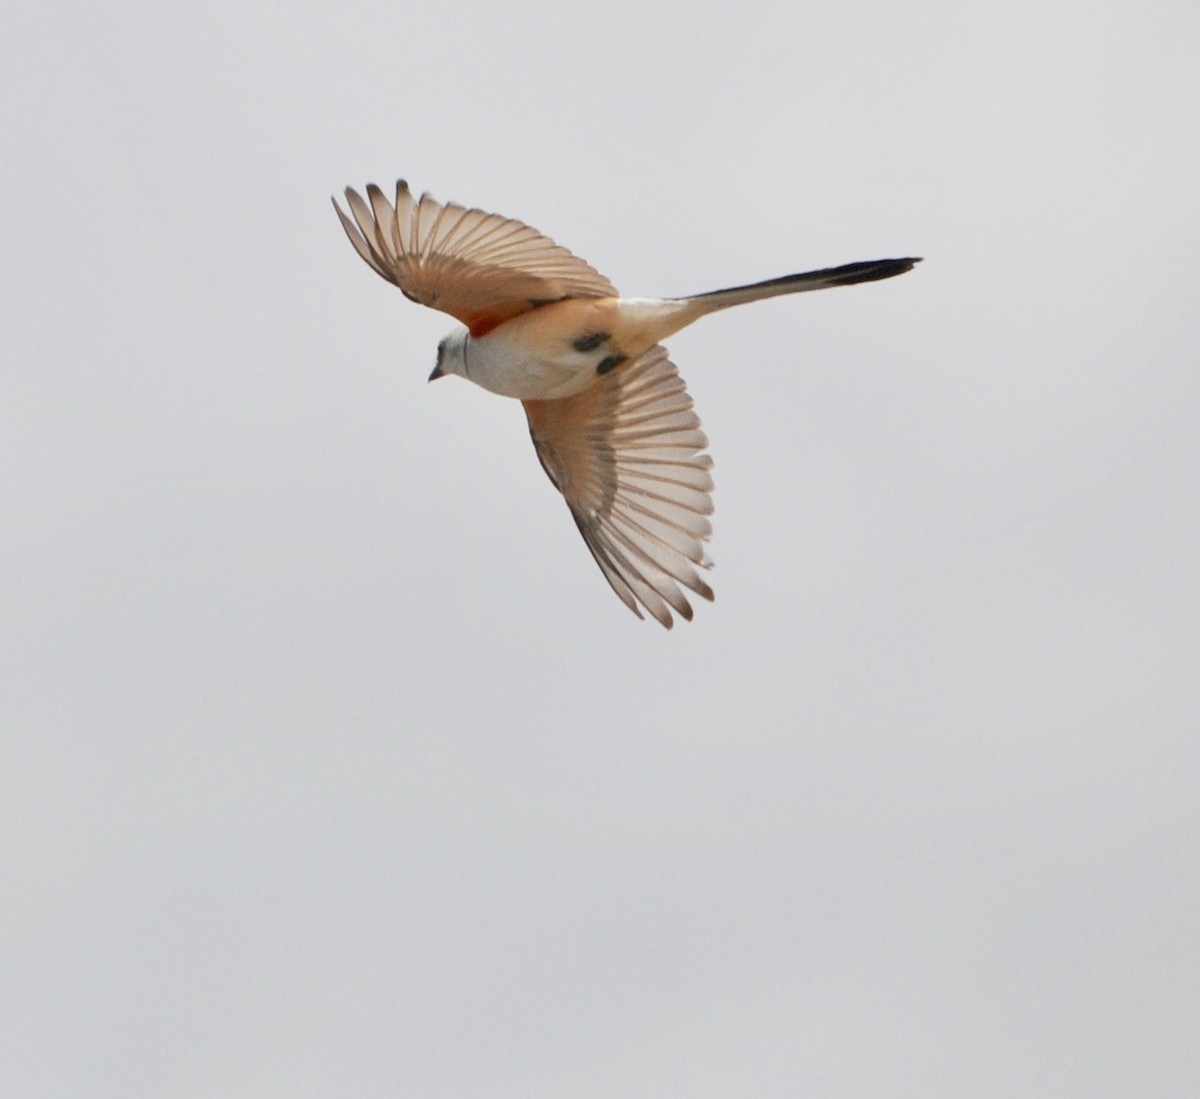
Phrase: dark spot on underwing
x=590 y=342
x=607 y=364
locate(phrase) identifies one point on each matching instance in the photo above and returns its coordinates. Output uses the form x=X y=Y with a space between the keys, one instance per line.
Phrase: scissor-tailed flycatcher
x=610 y=416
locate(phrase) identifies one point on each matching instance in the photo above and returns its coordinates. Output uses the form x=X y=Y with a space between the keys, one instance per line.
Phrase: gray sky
x=330 y=765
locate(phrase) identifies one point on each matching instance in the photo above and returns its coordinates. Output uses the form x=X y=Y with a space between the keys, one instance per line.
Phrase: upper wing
x=626 y=455
x=481 y=268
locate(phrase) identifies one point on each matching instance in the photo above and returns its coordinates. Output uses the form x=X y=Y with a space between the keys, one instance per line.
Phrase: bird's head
x=452 y=355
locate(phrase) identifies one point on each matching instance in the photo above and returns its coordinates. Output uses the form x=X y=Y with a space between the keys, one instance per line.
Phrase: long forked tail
x=846 y=275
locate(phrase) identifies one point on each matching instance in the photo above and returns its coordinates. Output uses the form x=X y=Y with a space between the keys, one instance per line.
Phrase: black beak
x=438 y=372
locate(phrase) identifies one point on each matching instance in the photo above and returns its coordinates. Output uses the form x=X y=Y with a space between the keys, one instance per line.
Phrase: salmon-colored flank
x=481 y=321
x=480 y=324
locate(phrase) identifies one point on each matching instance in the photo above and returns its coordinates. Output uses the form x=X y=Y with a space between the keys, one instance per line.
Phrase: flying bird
x=610 y=417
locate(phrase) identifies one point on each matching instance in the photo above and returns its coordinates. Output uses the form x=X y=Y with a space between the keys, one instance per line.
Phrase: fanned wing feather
x=626 y=455
x=479 y=267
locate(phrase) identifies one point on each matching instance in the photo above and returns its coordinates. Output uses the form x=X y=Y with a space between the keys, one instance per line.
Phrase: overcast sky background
x=331 y=766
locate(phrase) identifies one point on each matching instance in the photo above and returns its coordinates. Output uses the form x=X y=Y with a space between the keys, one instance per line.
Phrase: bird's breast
x=561 y=348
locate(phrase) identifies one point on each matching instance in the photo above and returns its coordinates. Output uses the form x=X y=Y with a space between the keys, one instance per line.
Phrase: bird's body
x=609 y=415
x=561 y=348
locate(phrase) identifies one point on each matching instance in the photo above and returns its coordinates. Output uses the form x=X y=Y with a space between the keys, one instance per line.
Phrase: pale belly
x=515 y=371
x=561 y=349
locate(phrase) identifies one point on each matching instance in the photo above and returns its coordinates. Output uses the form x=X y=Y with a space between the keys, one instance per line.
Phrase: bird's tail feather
x=846 y=275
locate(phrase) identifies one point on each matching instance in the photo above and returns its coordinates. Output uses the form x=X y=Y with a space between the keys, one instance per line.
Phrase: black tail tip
x=872 y=270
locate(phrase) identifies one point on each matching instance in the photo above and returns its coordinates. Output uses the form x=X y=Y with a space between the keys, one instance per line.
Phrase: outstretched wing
x=626 y=455
x=479 y=267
